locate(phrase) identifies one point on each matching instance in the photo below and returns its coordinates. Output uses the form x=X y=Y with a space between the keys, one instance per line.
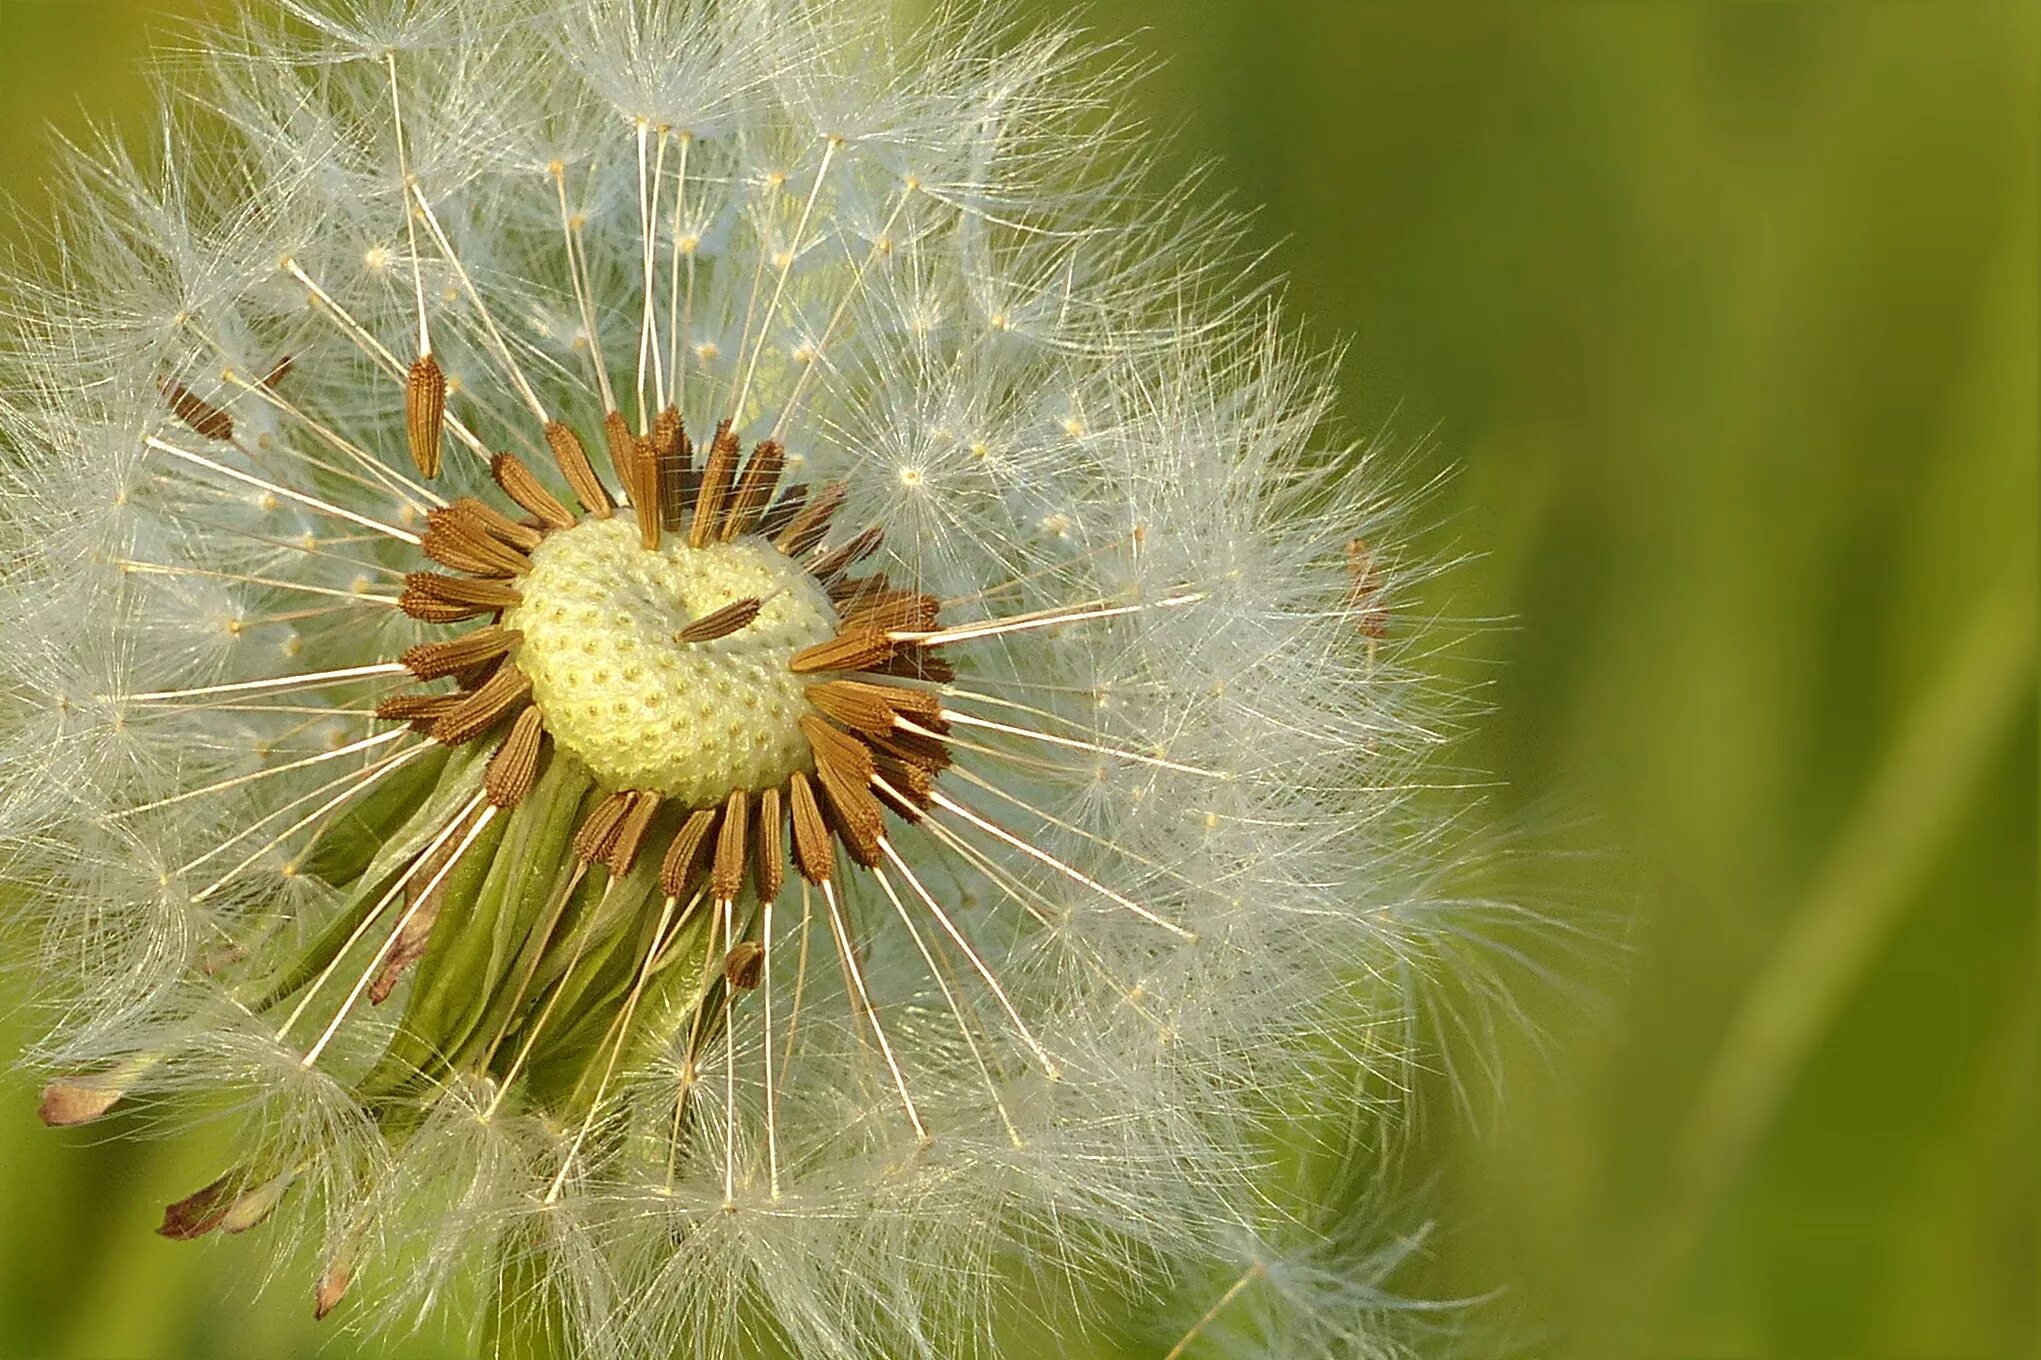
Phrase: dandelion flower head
x=701 y=659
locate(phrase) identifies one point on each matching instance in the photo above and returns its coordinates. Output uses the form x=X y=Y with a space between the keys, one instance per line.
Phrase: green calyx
x=530 y=958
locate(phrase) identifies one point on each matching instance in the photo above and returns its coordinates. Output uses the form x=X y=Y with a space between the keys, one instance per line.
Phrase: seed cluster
x=745 y=976
x=810 y=755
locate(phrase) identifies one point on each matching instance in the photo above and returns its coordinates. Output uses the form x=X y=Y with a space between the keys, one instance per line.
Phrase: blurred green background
x=1726 y=315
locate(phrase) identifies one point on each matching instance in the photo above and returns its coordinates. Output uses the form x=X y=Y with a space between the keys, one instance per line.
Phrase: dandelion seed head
x=716 y=668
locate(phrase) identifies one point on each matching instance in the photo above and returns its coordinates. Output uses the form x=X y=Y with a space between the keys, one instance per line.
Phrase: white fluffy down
x=933 y=267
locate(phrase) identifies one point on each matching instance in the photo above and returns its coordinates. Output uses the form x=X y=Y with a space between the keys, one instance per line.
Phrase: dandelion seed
x=478 y=886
